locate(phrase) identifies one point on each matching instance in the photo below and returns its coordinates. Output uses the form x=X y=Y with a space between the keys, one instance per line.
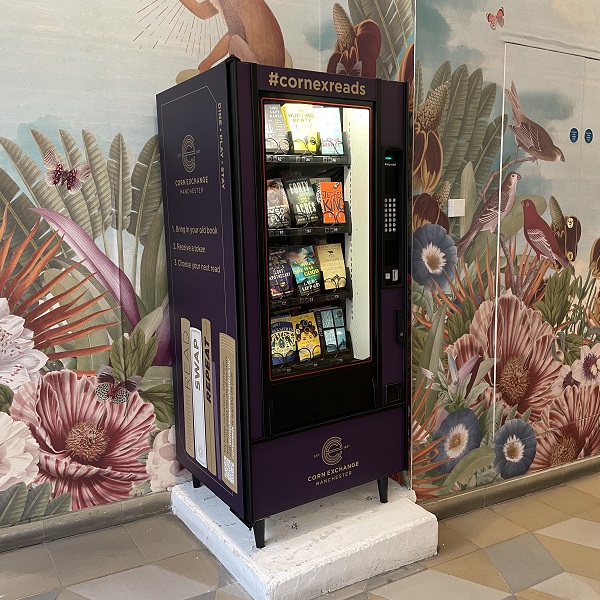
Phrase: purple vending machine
x=286 y=206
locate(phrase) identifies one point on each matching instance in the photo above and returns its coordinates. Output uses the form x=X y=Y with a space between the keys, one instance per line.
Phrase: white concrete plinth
x=316 y=548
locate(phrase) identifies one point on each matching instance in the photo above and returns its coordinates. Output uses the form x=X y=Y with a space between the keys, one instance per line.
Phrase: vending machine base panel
x=316 y=548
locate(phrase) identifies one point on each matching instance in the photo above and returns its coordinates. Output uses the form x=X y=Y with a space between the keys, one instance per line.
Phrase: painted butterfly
x=116 y=391
x=497 y=19
x=57 y=175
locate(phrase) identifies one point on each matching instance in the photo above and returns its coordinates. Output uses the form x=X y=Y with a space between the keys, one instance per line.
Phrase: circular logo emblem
x=332 y=451
x=188 y=153
x=574 y=134
x=589 y=136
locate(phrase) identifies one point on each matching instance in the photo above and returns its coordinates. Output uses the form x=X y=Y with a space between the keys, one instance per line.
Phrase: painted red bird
x=540 y=236
x=529 y=135
x=487 y=218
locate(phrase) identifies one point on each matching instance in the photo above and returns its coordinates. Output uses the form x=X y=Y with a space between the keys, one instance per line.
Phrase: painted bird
x=487 y=219
x=540 y=237
x=529 y=135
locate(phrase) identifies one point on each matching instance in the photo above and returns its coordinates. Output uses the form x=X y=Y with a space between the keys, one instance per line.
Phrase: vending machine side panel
x=194 y=137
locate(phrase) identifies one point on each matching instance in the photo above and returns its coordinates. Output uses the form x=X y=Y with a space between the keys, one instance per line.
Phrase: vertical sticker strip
x=209 y=416
x=228 y=410
x=186 y=370
x=198 y=395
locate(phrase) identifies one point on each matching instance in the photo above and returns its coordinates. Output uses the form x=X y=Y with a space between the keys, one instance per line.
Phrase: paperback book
x=281 y=278
x=307 y=336
x=331 y=263
x=278 y=207
x=276 y=134
x=330 y=196
x=329 y=124
x=331 y=329
x=303 y=201
x=301 y=122
x=283 y=340
x=306 y=271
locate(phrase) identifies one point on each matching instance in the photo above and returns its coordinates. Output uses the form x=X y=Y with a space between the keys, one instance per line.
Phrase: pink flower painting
x=88 y=448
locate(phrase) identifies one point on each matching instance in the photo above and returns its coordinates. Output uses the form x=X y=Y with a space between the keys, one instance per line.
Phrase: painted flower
x=433 y=257
x=565 y=378
x=428 y=155
x=19 y=453
x=88 y=447
x=526 y=369
x=460 y=430
x=586 y=368
x=163 y=468
x=569 y=428
x=357 y=47
x=514 y=445
x=427 y=210
x=19 y=361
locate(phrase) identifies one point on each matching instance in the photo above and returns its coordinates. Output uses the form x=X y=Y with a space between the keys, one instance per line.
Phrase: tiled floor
x=543 y=546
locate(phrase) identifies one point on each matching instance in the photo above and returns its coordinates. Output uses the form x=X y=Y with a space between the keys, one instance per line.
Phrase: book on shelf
x=281 y=277
x=197 y=356
x=306 y=270
x=331 y=263
x=307 y=336
x=303 y=201
x=329 y=124
x=315 y=180
x=278 y=207
x=330 y=196
x=331 y=328
x=283 y=340
x=276 y=133
x=301 y=122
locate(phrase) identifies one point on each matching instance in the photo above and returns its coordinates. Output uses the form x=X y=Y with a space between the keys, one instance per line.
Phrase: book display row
x=308 y=277
x=298 y=128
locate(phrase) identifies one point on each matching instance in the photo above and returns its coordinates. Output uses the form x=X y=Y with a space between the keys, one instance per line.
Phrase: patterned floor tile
x=92 y=555
x=568 y=499
x=565 y=586
x=591 y=515
x=161 y=537
x=232 y=592
x=144 y=583
x=199 y=565
x=577 y=531
x=69 y=595
x=529 y=513
x=433 y=585
x=484 y=527
x=523 y=562
x=476 y=567
x=573 y=558
x=26 y=572
x=450 y=545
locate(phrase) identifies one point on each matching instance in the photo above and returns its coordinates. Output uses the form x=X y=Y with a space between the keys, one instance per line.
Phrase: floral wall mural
x=86 y=401
x=505 y=302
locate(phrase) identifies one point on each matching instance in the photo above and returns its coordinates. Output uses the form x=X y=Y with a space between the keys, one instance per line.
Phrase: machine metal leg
x=259 y=533
x=382 y=486
x=196 y=482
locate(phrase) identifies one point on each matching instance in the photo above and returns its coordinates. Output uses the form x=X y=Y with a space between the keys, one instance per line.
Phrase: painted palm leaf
x=154 y=267
x=147 y=193
x=418 y=84
x=489 y=149
x=396 y=25
x=453 y=117
x=101 y=181
x=75 y=157
x=75 y=204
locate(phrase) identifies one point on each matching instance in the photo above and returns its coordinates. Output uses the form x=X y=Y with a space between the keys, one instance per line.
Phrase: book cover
x=329 y=124
x=278 y=207
x=281 y=278
x=331 y=328
x=301 y=122
x=276 y=133
x=198 y=395
x=303 y=201
x=283 y=341
x=228 y=410
x=209 y=415
x=188 y=402
x=307 y=336
x=306 y=271
x=330 y=196
x=331 y=263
